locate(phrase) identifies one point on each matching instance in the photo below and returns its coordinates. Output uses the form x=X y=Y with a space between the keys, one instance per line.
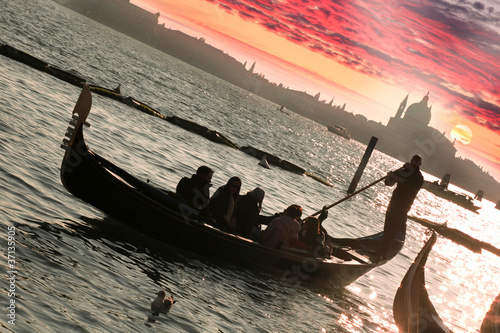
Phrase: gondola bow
x=412 y=308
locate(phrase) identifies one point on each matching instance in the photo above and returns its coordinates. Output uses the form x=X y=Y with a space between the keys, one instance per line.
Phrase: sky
x=369 y=54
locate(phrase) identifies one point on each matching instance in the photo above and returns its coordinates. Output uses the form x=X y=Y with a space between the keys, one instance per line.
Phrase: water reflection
x=185 y=274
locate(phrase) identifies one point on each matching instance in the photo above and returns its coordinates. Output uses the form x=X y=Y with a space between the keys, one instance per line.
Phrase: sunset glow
x=368 y=54
x=462 y=134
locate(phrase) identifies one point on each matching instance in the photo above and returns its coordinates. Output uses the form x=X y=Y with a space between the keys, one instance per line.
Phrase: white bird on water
x=162 y=303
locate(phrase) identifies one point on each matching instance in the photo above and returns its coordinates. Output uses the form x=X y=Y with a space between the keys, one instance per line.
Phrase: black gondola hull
x=162 y=216
x=412 y=308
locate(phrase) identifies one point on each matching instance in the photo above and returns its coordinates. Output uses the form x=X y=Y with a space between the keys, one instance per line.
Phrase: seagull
x=161 y=303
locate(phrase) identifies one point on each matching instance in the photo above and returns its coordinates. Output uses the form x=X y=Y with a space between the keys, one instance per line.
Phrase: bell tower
x=402 y=107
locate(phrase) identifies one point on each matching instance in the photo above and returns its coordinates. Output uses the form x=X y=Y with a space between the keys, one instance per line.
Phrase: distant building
x=253 y=82
x=408 y=133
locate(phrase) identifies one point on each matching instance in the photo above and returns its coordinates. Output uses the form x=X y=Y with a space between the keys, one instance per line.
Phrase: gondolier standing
x=409 y=180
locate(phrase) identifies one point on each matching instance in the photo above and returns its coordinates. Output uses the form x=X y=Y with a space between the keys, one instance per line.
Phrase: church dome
x=419 y=112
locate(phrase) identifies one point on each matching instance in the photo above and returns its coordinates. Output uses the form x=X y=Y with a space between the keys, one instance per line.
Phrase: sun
x=462 y=134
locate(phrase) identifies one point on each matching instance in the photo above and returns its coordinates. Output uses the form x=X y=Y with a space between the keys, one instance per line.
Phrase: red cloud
x=401 y=42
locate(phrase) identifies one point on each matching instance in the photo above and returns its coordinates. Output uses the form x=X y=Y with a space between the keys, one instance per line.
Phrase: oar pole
x=362 y=165
x=350 y=195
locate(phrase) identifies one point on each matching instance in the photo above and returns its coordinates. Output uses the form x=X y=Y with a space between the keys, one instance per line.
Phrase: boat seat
x=348 y=254
x=358 y=257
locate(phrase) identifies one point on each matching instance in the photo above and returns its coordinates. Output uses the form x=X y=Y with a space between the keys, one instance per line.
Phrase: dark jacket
x=194 y=191
x=246 y=214
x=219 y=205
x=409 y=180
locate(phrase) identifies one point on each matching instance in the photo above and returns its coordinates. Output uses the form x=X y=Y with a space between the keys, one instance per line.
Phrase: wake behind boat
x=161 y=215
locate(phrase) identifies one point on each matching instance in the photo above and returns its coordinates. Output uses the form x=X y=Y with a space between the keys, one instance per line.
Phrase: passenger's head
x=312 y=223
x=294 y=211
x=258 y=195
x=416 y=160
x=234 y=185
x=205 y=173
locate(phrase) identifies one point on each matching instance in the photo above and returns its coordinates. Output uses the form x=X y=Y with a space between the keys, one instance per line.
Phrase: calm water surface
x=80 y=271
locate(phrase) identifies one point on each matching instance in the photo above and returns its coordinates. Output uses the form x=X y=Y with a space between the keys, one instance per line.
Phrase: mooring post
x=362 y=165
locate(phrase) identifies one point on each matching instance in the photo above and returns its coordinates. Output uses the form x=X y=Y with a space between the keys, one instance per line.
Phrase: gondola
x=491 y=322
x=412 y=308
x=162 y=216
x=463 y=200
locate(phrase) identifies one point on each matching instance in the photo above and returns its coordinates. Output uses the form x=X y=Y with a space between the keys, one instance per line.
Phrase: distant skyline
x=368 y=54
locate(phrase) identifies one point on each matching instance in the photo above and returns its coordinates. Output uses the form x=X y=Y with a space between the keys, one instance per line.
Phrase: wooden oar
x=351 y=195
x=457 y=236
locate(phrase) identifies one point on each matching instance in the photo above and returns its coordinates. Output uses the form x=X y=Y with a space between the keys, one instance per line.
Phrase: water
x=80 y=271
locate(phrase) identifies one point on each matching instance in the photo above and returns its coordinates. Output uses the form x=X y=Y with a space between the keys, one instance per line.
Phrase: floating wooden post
x=479 y=195
x=362 y=165
x=457 y=236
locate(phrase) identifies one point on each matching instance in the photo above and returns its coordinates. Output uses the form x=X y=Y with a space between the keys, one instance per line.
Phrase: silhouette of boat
x=339 y=130
x=162 y=216
x=491 y=322
x=460 y=199
x=412 y=308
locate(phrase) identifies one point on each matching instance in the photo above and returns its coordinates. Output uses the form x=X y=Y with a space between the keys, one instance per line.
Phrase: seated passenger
x=311 y=236
x=283 y=231
x=195 y=191
x=222 y=204
x=247 y=212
